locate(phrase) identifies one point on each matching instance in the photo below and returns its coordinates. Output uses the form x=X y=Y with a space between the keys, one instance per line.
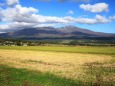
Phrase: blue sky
x=96 y=15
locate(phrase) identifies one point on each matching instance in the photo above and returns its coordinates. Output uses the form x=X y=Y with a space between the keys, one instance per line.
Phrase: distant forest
x=97 y=41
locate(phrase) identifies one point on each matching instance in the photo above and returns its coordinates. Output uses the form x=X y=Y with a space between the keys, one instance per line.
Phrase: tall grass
x=101 y=74
x=95 y=73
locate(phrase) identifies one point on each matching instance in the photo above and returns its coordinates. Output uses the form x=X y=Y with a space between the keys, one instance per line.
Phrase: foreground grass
x=83 y=69
x=97 y=75
x=10 y=76
x=70 y=49
x=101 y=74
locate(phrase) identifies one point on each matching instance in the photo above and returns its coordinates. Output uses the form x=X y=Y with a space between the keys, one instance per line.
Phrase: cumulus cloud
x=46 y=25
x=18 y=13
x=96 y=20
x=23 y=17
x=18 y=17
x=102 y=19
x=28 y=15
x=86 y=21
x=12 y=2
x=16 y=25
x=70 y=12
x=99 y=7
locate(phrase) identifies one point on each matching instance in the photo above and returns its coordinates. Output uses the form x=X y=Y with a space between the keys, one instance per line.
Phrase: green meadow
x=69 y=49
x=10 y=76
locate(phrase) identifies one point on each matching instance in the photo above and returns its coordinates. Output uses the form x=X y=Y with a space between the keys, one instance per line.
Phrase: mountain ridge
x=67 y=31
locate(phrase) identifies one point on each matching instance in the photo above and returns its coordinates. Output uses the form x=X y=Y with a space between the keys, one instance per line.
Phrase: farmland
x=63 y=65
x=68 y=49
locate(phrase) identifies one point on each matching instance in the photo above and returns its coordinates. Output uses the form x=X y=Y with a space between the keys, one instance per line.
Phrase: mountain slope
x=77 y=30
x=67 y=31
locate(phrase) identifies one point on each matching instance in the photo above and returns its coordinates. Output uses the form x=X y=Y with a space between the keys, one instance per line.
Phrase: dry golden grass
x=68 y=65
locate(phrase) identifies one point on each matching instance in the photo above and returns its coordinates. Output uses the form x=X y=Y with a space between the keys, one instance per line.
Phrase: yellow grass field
x=69 y=65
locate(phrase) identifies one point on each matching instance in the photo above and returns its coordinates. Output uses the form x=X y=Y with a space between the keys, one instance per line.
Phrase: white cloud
x=23 y=17
x=96 y=20
x=16 y=25
x=70 y=12
x=112 y=17
x=28 y=15
x=46 y=25
x=18 y=14
x=4 y=26
x=48 y=19
x=102 y=19
x=69 y=18
x=86 y=21
x=99 y=7
x=12 y=2
x=18 y=17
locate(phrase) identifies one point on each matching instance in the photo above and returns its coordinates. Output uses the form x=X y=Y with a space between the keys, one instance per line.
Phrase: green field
x=10 y=76
x=69 y=49
x=43 y=66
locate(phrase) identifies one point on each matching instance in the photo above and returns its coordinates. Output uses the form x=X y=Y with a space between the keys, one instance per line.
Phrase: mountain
x=67 y=31
x=80 y=31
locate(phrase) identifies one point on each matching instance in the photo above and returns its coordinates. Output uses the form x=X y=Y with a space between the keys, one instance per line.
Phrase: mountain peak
x=69 y=26
x=66 y=31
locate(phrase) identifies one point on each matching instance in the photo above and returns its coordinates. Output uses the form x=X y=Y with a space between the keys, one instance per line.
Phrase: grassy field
x=10 y=76
x=59 y=66
x=69 y=49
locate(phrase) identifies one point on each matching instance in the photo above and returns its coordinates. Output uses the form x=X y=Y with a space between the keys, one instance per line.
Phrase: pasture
x=68 y=49
x=70 y=66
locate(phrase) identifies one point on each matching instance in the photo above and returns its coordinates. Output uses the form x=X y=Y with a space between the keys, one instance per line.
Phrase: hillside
x=51 y=32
